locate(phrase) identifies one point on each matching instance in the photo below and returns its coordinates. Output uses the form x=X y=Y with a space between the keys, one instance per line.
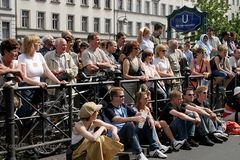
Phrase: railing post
x=211 y=92
x=8 y=93
x=70 y=104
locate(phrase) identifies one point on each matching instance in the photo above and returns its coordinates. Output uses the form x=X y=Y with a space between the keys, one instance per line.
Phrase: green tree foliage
x=216 y=14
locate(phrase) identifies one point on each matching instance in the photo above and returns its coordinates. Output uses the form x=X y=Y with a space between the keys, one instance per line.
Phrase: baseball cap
x=88 y=109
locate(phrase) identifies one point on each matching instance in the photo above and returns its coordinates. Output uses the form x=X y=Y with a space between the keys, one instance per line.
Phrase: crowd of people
x=186 y=120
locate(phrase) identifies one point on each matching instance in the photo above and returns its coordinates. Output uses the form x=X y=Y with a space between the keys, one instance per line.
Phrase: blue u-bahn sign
x=186 y=19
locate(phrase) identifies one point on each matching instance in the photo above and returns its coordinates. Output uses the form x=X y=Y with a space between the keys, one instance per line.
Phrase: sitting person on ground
x=201 y=100
x=88 y=137
x=200 y=66
x=181 y=120
x=142 y=107
x=126 y=120
x=232 y=107
x=219 y=69
x=206 y=132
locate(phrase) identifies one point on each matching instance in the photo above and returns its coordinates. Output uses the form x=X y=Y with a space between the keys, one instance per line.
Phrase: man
x=93 y=58
x=156 y=35
x=188 y=53
x=61 y=64
x=234 y=60
x=125 y=118
x=47 y=44
x=111 y=47
x=120 y=39
x=181 y=120
x=213 y=41
x=206 y=131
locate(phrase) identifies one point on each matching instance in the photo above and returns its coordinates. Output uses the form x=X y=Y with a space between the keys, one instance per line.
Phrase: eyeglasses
x=190 y=94
x=121 y=96
x=204 y=93
x=164 y=50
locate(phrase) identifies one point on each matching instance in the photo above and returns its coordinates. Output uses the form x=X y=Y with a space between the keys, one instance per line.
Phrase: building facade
x=107 y=17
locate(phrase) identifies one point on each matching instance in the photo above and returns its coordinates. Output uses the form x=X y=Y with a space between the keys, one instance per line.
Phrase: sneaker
x=141 y=156
x=186 y=146
x=204 y=140
x=165 y=149
x=221 y=136
x=214 y=138
x=157 y=154
x=178 y=144
x=192 y=142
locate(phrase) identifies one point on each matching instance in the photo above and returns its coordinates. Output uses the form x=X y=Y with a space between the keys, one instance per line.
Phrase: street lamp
x=123 y=20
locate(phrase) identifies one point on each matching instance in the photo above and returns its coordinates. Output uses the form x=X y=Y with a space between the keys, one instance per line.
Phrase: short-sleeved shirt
x=34 y=65
x=165 y=114
x=123 y=111
x=205 y=103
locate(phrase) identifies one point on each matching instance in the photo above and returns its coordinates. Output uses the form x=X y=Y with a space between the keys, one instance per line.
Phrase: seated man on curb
x=206 y=132
x=181 y=120
x=125 y=118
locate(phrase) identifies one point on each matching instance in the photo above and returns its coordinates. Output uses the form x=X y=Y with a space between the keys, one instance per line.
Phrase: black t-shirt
x=165 y=114
x=234 y=104
x=205 y=103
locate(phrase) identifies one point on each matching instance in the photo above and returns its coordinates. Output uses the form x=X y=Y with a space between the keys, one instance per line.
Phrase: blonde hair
x=138 y=97
x=200 y=89
x=175 y=94
x=146 y=31
x=158 y=48
x=28 y=44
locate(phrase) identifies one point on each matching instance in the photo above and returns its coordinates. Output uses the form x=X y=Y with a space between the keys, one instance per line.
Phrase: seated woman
x=219 y=67
x=200 y=66
x=232 y=107
x=88 y=139
x=142 y=108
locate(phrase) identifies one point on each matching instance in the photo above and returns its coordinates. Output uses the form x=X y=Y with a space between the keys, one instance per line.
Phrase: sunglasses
x=121 y=96
x=190 y=94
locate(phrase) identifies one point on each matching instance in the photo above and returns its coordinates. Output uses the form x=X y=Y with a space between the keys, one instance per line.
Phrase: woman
x=200 y=66
x=141 y=105
x=219 y=68
x=132 y=68
x=33 y=67
x=204 y=44
x=144 y=39
x=88 y=139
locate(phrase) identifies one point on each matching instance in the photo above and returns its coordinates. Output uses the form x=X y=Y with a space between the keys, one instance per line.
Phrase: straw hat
x=88 y=109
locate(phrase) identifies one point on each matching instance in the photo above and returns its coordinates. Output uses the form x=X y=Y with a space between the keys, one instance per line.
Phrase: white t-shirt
x=162 y=64
x=34 y=65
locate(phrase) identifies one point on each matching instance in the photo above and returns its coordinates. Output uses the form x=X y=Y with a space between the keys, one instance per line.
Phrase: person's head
x=204 y=38
x=76 y=47
x=111 y=46
x=69 y=40
x=147 y=56
x=89 y=110
x=146 y=32
x=201 y=92
x=120 y=39
x=60 y=45
x=158 y=29
x=48 y=41
x=66 y=34
x=210 y=31
x=10 y=48
x=199 y=53
x=160 y=50
x=226 y=36
x=173 y=44
x=141 y=99
x=117 y=95
x=94 y=40
x=222 y=50
x=236 y=92
x=132 y=47
x=31 y=44
x=175 y=97
x=188 y=95
x=233 y=36
x=84 y=45
x=237 y=53
x=186 y=46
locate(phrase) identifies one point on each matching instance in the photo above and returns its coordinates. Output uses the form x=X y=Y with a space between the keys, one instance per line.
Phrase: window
x=55 y=21
x=147 y=25
x=120 y=26
x=25 y=19
x=138 y=6
x=130 y=28
x=233 y=2
x=120 y=4
x=84 y=2
x=129 y=5
x=5 y=30
x=138 y=27
x=108 y=4
x=108 y=26
x=5 y=4
x=155 y=8
x=70 y=22
x=85 y=24
x=70 y=1
x=96 y=4
x=96 y=25
x=147 y=7
x=170 y=9
x=55 y=1
x=40 y=20
x=163 y=9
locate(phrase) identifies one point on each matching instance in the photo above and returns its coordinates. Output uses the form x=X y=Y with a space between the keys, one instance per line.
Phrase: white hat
x=88 y=109
x=236 y=91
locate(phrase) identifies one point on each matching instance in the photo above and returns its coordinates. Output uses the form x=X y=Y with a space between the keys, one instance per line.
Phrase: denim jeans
x=207 y=126
x=148 y=135
x=182 y=129
x=128 y=136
